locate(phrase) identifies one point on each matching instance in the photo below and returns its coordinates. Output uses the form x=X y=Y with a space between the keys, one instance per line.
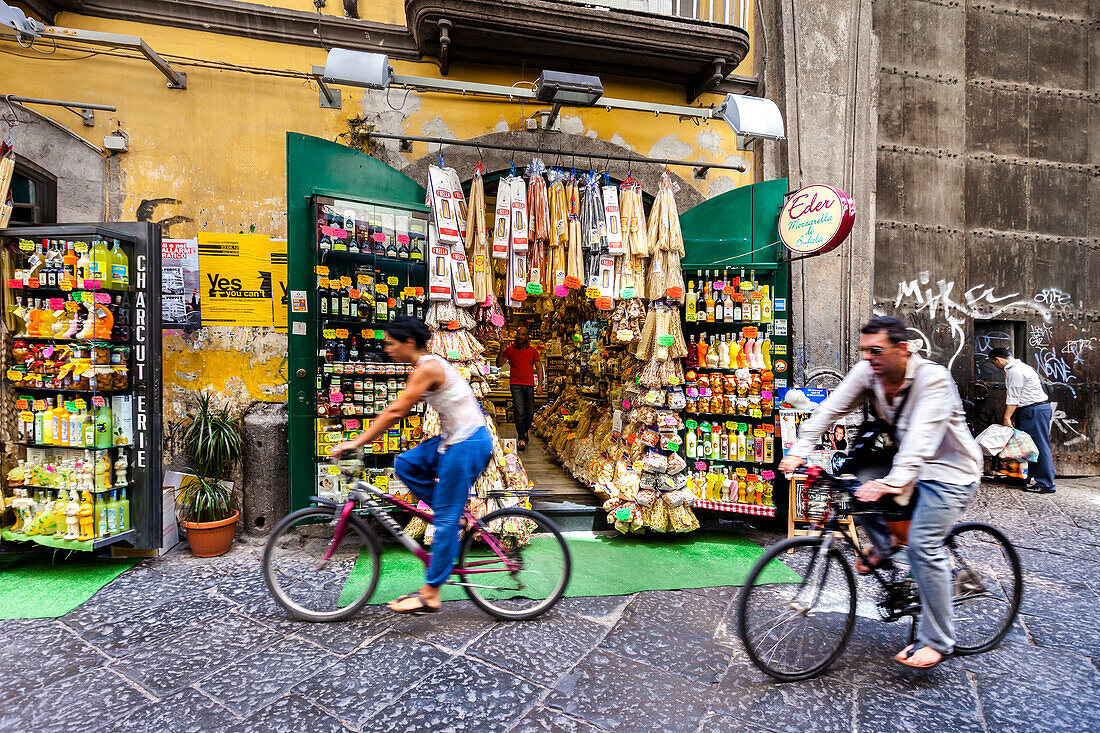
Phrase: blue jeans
x=443 y=481
x=1035 y=421
x=523 y=404
x=938 y=507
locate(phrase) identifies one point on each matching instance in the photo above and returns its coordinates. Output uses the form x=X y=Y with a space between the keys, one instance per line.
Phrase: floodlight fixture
x=358 y=68
x=16 y=19
x=559 y=87
x=751 y=117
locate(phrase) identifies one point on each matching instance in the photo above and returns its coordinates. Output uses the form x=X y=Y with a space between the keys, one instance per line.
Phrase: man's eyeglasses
x=872 y=350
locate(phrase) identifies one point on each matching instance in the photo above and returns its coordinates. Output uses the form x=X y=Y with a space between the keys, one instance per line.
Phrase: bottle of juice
x=83 y=266
x=68 y=265
x=120 y=268
x=123 y=512
x=60 y=417
x=101 y=262
x=102 y=522
x=112 y=514
x=103 y=427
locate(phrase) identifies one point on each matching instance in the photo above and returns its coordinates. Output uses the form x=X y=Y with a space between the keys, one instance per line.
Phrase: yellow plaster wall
x=215 y=152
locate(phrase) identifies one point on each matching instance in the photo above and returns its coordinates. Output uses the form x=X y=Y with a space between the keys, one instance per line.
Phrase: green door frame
x=316 y=167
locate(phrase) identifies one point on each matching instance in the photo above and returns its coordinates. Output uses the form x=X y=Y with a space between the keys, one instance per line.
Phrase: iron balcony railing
x=727 y=12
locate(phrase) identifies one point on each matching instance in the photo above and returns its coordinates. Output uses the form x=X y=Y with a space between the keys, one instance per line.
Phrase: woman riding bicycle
x=441 y=470
x=935 y=450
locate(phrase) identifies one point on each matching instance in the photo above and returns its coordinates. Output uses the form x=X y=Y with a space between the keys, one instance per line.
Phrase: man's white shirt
x=1023 y=385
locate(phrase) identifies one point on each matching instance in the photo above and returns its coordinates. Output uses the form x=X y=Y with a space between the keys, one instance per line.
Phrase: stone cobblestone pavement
x=182 y=644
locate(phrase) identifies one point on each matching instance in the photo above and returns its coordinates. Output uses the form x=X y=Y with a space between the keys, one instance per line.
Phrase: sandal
x=907 y=653
x=873 y=561
x=420 y=610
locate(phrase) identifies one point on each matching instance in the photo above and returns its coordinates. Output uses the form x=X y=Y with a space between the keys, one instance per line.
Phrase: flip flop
x=418 y=611
x=907 y=653
x=863 y=567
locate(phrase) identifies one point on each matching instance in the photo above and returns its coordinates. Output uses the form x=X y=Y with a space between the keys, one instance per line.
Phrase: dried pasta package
x=676 y=399
x=682 y=519
x=675 y=464
x=648 y=415
x=655 y=397
x=680 y=497
x=637 y=450
x=415 y=528
x=648 y=482
x=703 y=383
x=654 y=462
x=658 y=517
x=646 y=497
x=650 y=438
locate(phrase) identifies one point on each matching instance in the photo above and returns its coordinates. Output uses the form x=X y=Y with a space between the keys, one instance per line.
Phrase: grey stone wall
x=986 y=226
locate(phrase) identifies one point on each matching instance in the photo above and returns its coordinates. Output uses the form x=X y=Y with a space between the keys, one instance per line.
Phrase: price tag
x=23 y=403
x=341 y=333
x=731 y=290
x=329 y=333
x=70 y=406
x=627 y=292
x=333 y=470
x=71 y=306
x=769 y=428
x=98 y=401
x=741 y=471
x=691 y=424
x=345 y=281
x=15 y=375
x=102 y=298
x=757 y=295
x=379 y=334
x=334 y=232
x=749 y=332
x=379 y=237
x=26 y=416
x=452 y=354
x=354 y=294
x=80 y=404
x=604 y=303
x=758 y=433
x=674 y=381
x=335 y=398
x=93 y=284
x=57 y=304
x=752 y=478
x=363 y=279
x=674 y=446
x=367 y=333
x=592 y=292
x=665 y=340
x=638 y=466
x=322 y=282
x=40 y=405
x=573 y=282
x=675 y=293
x=26 y=245
x=67 y=286
x=705 y=427
x=15 y=283
x=420 y=292
x=382 y=289
x=403 y=239
x=392 y=281
x=719 y=285
x=534 y=289
x=321 y=270
x=747 y=286
x=700 y=466
x=767 y=475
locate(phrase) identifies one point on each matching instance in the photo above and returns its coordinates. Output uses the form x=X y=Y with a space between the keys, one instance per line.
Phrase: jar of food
x=80 y=352
x=19 y=350
x=122 y=377
x=120 y=356
x=101 y=353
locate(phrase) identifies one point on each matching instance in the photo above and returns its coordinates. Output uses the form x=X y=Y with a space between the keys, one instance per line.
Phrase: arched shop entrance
x=730 y=255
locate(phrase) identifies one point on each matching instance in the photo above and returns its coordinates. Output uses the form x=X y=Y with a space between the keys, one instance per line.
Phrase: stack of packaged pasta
x=451 y=230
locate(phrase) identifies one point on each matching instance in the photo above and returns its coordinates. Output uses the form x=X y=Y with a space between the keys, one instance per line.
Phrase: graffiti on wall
x=939 y=301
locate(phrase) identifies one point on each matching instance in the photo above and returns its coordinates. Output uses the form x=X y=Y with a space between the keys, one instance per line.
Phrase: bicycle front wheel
x=311 y=586
x=517 y=570
x=797 y=609
x=987 y=586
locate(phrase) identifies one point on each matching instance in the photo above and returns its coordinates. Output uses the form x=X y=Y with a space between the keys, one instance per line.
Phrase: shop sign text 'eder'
x=816 y=219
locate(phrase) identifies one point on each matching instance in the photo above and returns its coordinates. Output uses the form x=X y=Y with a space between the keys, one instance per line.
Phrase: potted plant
x=206 y=507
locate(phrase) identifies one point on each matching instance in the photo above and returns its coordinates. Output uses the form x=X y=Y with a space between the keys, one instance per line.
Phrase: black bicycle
x=799 y=605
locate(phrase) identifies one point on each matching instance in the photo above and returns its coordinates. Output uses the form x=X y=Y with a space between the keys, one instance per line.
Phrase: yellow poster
x=278 y=283
x=236 y=279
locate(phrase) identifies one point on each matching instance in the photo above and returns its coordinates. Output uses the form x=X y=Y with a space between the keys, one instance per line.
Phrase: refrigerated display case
x=81 y=420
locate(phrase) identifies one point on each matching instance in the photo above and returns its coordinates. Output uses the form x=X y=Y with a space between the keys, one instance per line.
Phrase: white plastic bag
x=994 y=439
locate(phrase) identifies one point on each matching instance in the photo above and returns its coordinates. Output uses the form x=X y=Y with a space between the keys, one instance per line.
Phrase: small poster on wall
x=180 y=297
x=236 y=279
x=278 y=283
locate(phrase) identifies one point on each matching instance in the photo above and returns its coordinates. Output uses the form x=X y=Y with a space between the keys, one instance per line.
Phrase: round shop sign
x=816 y=219
x=780 y=366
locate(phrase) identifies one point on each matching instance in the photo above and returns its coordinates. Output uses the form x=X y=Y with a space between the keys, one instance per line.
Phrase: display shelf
x=62 y=544
x=97 y=490
x=58 y=340
x=64 y=447
x=729 y=415
x=60 y=390
x=738 y=324
x=323 y=254
x=726 y=460
x=353 y=322
x=736 y=508
x=723 y=370
x=74 y=289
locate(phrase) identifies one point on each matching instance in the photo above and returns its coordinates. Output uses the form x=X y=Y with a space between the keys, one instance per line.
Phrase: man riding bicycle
x=441 y=470
x=935 y=450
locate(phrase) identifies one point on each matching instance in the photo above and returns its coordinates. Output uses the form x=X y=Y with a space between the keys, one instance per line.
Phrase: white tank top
x=459 y=413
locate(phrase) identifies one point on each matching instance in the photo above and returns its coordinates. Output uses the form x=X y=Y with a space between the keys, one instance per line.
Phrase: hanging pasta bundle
x=490 y=320
x=635 y=237
x=477 y=239
x=593 y=227
x=655 y=276
x=574 y=263
x=559 y=234
x=539 y=231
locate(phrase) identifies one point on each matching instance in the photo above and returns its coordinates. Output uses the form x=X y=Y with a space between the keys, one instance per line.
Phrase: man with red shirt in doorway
x=522 y=358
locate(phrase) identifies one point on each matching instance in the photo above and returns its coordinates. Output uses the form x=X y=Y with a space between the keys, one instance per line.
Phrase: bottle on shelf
x=123 y=511
x=68 y=264
x=83 y=265
x=719 y=309
x=102 y=424
x=765 y=304
x=701 y=302
x=102 y=521
x=120 y=267
x=689 y=299
x=710 y=299
x=101 y=260
x=690 y=443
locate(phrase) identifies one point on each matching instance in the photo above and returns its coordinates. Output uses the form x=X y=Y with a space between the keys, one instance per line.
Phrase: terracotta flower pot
x=210 y=539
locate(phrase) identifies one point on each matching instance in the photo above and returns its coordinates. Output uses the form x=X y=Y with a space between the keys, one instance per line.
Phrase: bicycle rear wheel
x=303 y=582
x=797 y=609
x=533 y=575
x=987 y=586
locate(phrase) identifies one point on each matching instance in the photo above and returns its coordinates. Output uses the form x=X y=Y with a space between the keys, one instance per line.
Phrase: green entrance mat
x=40 y=588
x=606 y=566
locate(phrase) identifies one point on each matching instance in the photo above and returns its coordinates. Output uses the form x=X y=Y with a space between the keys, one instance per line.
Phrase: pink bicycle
x=322 y=563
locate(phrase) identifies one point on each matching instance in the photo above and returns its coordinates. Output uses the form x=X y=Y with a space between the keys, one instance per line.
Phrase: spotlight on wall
x=751 y=117
x=358 y=69
x=15 y=18
x=558 y=87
